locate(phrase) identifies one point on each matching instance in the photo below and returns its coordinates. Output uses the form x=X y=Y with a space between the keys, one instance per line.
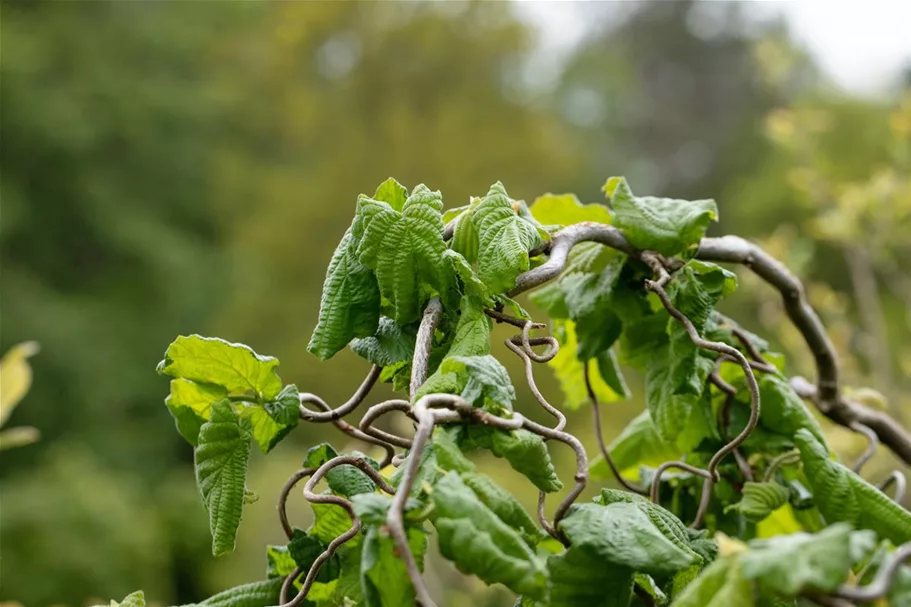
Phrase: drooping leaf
x=588 y=298
x=638 y=444
x=674 y=399
x=665 y=225
x=190 y=403
x=384 y=578
x=255 y=594
x=390 y=344
x=504 y=240
x=792 y=564
x=621 y=533
x=501 y=502
x=273 y=420
x=525 y=451
x=843 y=496
x=760 y=500
x=471 y=284
x=480 y=543
x=404 y=248
x=15 y=377
x=578 y=579
x=345 y=480
x=350 y=302
x=486 y=381
x=329 y=522
x=448 y=454
x=648 y=584
x=721 y=584
x=609 y=370
x=221 y=469
x=783 y=411
x=211 y=360
x=565 y=209
x=305 y=549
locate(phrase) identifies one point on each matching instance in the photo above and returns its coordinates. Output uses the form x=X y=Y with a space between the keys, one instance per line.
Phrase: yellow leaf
x=15 y=377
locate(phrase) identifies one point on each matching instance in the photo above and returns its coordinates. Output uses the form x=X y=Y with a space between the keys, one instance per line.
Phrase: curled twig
x=283 y=498
x=329 y=414
x=881 y=583
x=529 y=374
x=901 y=483
x=872 y=444
x=380 y=409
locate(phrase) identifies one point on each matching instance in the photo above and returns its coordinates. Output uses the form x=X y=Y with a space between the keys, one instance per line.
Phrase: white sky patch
x=862 y=44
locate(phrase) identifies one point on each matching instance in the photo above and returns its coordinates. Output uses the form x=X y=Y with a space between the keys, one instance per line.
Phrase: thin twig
x=872 y=444
x=783 y=459
x=283 y=498
x=881 y=584
x=530 y=377
x=329 y=414
x=380 y=409
x=901 y=484
x=599 y=437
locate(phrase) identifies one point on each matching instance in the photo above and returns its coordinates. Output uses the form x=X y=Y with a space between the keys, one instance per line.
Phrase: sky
x=862 y=44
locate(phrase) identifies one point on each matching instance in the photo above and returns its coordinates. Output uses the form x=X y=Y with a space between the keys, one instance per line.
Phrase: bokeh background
x=180 y=167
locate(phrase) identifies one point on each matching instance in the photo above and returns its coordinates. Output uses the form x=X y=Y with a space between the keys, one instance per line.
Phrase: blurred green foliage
x=168 y=168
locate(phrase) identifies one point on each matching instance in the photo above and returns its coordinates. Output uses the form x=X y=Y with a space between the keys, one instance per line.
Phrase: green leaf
x=899 y=594
x=272 y=421
x=783 y=411
x=504 y=240
x=588 y=299
x=211 y=360
x=390 y=344
x=609 y=370
x=621 y=533
x=256 y=594
x=471 y=284
x=565 y=209
x=578 y=580
x=662 y=519
x=305 y=549
x=190 y=403
x=221 y=469
x=638 y=444
x=648 y=584
x=569 y=370
x=665 y=225
x=551 y=300
x=329 y=522
x=721 y=584
x=350 y=304
x=465 y=239
x=472 y=536
x=136 y=599
x=384 y=578
x=760 y=500
x=673 y=395
x=280 y=564
x=843 y=496
x=500 y=502
x=525 y=451
x=345 y=480
x=486 y=381
x=391 y=192
x=792 y=564
x=404 y=249
x=448 y=454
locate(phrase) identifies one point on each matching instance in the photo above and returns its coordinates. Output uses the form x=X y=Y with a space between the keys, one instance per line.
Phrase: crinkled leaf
x=588 y=298
x=486 y=381
x=255 y=594
x=721 y=584
x=504 y=240
x=350 y=303
x=783 y=411
x=565 y=209
x=792 y=564
x=305 y=549
x=390 y=344
x=665 y=225
x=525 y=451
x=638 y=444
x=501 y=502
x=404 y=249
x=472 y=338
x=577 y=579
x=663 y=520
x=135 y=599
x=329 y=522
x=272 y=421
x=465 y=236
x=622 y=533
x=345 y=480
x=471 y=284
x=221 y=469
x=384 y=578
x=190 y=403
x=448 y=454
x=480 y=543
x=843 y=496
x=760 y=500
x=675 y=399
x=235 y=367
